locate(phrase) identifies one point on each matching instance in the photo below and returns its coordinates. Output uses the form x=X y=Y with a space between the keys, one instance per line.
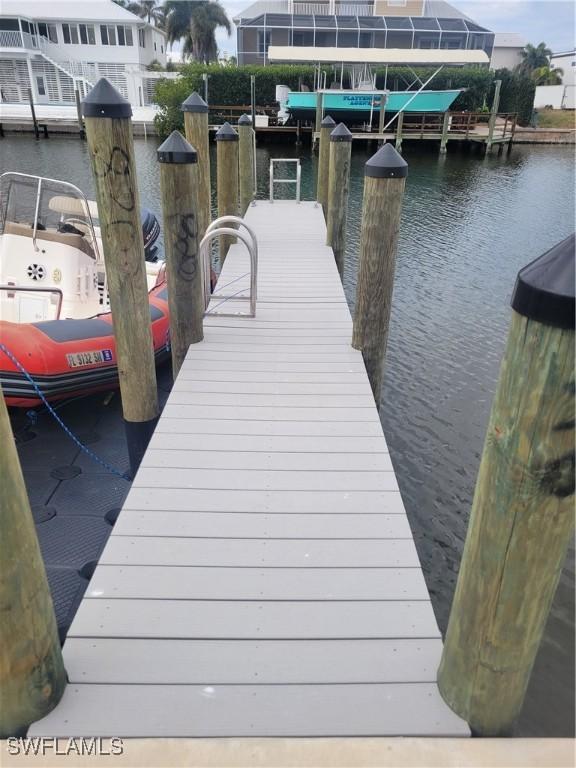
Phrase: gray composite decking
x=262 y=579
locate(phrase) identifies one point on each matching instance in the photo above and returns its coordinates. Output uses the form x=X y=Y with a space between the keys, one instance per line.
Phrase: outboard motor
x=150 y=231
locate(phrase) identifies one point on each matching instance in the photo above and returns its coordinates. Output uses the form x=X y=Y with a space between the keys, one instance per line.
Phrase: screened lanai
x=322 y=31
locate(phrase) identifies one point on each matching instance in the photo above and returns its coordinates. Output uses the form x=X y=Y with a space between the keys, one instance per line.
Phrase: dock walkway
x=262 y=579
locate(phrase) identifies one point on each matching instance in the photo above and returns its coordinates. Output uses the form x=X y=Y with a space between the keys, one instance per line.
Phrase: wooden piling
x=227 y=180
x=109 y=135
x=33 y=111
x=326 y=129
x=319 y=111
x=338 y=188
x=445 y=128
x=384 y=180
x=522 y=515
x=32 y=674
x=399 y=124
x=79 y=114
x=197 y=135
x=253 y=100
x=179 y=188
x=245 y=162
x=493 y=114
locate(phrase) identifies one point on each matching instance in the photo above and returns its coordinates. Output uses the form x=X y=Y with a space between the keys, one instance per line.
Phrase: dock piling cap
x=328 y=122
x=341 y=133
x=387 y=163
x=105 y=101
x=245 y=120
x=176 y=150
x=194 y=103
x=544 y=289
x=226 y=133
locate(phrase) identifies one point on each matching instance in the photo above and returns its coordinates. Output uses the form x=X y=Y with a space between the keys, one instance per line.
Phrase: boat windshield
x=46 y=205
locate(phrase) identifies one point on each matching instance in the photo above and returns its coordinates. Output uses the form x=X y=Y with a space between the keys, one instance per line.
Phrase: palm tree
x=150 y=10
x=533 y=57
x=547 y=76
x=196 y=22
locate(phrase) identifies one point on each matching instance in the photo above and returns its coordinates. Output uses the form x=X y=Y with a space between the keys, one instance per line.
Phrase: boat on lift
x=54 y=306
x=357 y=67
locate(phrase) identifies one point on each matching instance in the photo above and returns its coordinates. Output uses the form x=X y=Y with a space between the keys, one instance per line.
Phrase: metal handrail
x=285 y=181
x=77 y=190
x=213 y=231
x=36 y=289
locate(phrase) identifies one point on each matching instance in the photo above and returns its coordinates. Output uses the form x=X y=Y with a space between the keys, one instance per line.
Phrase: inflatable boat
x=54 y=307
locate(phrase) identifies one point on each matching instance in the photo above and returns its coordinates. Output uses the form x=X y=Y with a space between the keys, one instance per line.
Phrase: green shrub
x=516 y=94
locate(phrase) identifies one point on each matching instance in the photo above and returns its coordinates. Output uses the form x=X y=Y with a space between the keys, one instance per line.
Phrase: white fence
x=555 y=96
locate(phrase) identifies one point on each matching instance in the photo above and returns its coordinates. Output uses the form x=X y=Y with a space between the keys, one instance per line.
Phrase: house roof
x=563 y=53
x=508 y=40
x=68 y=10
x=443 y=10
x=413 y=56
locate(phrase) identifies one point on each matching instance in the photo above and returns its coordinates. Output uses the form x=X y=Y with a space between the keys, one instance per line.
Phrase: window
x=162 y=51
x=40 y=85
x=70 y=34
x=49 y=31
x=397 y=3
x=142 y=38
x=87 y=36
x=154 y=45
x=108 y=34
x=124 y=35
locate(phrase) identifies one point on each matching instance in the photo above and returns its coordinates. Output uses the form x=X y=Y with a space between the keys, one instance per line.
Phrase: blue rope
x=52 y=411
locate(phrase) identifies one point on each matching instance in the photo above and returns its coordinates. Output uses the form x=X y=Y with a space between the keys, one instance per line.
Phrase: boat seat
x=51 y=235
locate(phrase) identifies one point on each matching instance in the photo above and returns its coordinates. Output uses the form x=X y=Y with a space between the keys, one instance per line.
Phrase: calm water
x=469 y=224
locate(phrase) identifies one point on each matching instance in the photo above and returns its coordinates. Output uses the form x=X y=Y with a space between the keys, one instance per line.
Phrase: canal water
x=469 y=223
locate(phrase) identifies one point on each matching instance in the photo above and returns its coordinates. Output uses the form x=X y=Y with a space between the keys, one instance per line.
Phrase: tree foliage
x=195 y=22
x=534 y=57
x=547 y=76
x=516 y=94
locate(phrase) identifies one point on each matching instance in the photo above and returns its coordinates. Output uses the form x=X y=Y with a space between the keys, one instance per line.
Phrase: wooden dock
x=262 y=579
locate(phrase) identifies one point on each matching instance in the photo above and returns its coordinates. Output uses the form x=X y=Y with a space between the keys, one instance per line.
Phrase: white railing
x=333 y=7
x=11 y=39
x=354 y=9
x=319 y=9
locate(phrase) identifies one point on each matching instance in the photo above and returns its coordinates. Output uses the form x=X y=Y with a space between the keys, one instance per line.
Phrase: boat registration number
x=78 y=359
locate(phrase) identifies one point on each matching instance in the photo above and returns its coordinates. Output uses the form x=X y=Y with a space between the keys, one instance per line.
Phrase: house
x=55 y=48
x=507 y=51
x=355 y=24
x=559 y=96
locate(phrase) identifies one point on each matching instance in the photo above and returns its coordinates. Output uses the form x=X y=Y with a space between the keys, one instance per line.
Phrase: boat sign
x=78 y=359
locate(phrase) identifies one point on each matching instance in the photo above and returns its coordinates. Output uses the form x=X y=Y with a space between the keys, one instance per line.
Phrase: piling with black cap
x=32 y=675
x=197 y=134
x=522 y=516
x=338 y=188
x=107 y=117
x=179 y=189
x=246 y=162
x=326 y=128
x=384 y=180
x=227 y=180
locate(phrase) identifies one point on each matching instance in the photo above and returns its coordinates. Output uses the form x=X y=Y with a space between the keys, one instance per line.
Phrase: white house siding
x=67 y=66
x=567 y=63
x=505 y=58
